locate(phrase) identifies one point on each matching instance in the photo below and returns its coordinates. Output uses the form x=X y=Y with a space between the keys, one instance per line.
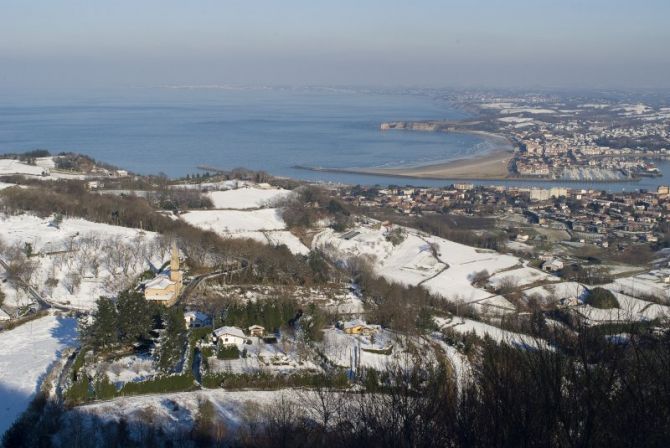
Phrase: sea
x=175 y=130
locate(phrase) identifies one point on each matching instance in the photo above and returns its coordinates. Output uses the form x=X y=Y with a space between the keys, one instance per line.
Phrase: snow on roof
x=256 y=327
x=196 y=315
x=159 y=282
x=232 y=331
x=353 y=323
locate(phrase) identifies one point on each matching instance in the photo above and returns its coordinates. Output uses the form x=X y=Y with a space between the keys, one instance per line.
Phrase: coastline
x=492 y=166
x=489 y=165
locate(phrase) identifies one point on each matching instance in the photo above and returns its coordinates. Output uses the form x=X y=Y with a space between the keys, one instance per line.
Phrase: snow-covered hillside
x=43 y=169
x=443 y=267
x=26 y=353
x=263 y=225
x=78 y=261
x=247 y=197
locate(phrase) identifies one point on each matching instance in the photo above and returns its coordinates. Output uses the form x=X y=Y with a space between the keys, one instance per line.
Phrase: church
x=166 y=288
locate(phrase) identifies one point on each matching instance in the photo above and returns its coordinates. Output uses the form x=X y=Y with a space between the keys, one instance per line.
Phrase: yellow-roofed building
x=166 y=288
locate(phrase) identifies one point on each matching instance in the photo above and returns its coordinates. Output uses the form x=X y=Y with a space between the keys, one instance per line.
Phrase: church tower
x=175 y=271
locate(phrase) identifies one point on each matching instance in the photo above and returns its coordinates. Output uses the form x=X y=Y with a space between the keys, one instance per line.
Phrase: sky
x=60 y=44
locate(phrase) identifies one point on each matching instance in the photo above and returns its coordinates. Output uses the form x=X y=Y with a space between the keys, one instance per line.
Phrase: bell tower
x=175 y=271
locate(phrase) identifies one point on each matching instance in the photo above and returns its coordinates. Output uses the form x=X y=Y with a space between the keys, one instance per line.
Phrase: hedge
x=266 y=381
x=176 y=383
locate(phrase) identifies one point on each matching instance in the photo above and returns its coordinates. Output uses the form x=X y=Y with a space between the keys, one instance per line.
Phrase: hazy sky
x=95 y=43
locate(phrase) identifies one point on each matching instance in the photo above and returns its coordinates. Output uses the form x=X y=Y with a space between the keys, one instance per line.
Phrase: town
x=565 y=138
x=220 y=295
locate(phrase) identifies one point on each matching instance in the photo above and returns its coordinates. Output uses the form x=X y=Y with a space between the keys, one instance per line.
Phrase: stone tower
x=175 y=271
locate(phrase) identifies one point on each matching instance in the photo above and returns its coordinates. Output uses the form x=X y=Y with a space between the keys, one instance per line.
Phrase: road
x=35 y=295
x=240 y=265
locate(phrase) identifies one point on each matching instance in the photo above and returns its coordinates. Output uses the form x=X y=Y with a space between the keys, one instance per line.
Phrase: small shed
x=553 y=265
x=256 y=330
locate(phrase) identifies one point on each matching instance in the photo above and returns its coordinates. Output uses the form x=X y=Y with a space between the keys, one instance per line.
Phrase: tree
x=602 y=298
x=134 y=317
x=203 y=427
x=103 y=332
x=57 y=220
x=173 y=340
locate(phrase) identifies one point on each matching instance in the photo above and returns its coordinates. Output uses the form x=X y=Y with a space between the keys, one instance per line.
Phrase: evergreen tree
x=134 y=317
x=103 y=332
x=173 y=340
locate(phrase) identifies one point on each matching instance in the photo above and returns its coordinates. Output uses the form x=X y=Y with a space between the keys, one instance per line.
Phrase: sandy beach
x=492 y=166
x=489 y=166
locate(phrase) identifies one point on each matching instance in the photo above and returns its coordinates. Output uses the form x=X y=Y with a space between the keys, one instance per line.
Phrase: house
x=256 y=330
x=229 y=335
x=358 y=326
x=165 y=288
x=195 y=319
x=553 y=265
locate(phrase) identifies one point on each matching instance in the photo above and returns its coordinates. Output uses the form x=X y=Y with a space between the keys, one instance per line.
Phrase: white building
x=229 y=336
x=195 y=319
x=552 y=265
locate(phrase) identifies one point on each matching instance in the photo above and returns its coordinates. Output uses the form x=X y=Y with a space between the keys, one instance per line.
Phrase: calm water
x=174 y=130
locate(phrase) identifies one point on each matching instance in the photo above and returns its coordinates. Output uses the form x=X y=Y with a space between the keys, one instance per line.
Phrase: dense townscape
x=566 y=138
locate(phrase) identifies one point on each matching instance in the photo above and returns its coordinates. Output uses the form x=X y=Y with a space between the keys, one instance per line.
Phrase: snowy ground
x=127 y=369
x=339 y=347
x=462 y=325
x=648 y=284
x=412 y=262
x=26 y=353
x=555 y=292
x=282 y=357
x=4 y=185
x=520 y=277
x=247 y=197
x=630 y=310
x=86 y=259
x=44 y=168
x=263 y=225
x=176 y=411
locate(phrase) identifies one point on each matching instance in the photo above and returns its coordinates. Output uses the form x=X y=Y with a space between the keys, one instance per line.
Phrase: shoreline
x=492 y=166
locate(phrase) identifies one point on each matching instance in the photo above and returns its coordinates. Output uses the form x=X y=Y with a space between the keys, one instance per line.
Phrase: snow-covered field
x=10 y=166
x=4 y=185
x=528 y=110
x=282 y=357
x=176 y=411
x=557 y=291
x=630 y=309
x=641 y=285
x=246 y=198
x=339 y=347
x=515 y=119
x=26 y=353
x=43 y=169
x=263 y=225
x=462 y=325
x=520 y=277
x=235 y=221
x=127 y=369
x=412 y=262
x=83 y=259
